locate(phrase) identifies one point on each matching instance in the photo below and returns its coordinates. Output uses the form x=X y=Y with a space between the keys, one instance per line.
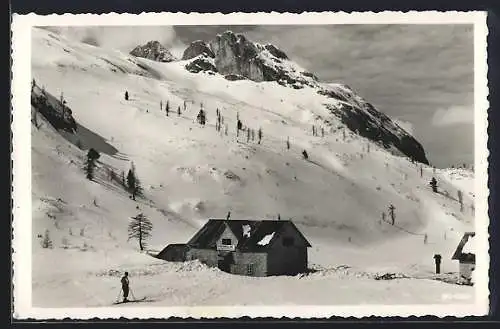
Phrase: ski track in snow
x=190 y=173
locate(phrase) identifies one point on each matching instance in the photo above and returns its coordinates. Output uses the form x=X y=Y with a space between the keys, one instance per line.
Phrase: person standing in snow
x=125 y=287
x=437 y=261
x=392 y=214
x=305 y=155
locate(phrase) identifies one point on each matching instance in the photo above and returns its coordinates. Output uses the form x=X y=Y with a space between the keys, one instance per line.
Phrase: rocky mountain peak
x=153 y=50
x=197 y=48
x=237 y=57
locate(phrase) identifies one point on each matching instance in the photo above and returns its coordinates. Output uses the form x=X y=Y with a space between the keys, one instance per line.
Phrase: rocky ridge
x=153 y=50
x=236 y=58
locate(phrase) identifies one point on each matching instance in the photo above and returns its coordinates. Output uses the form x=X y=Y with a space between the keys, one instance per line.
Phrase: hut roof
x=459 y=251
x=251 y=234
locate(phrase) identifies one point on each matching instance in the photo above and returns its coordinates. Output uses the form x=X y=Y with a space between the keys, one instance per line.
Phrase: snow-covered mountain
x=191 y=172
x=235 y=57
x=153 y=50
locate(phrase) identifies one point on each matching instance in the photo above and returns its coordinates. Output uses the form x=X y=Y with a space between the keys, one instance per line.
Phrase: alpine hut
x=249 y=247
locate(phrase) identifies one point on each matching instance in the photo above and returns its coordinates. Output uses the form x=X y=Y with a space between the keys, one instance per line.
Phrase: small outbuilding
x=249 y=247
x=465 y=254
x=173 y=252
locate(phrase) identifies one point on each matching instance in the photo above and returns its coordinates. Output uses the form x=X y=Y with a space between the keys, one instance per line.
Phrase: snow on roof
x=246 y=230
x=470 y=246
x=266 y=239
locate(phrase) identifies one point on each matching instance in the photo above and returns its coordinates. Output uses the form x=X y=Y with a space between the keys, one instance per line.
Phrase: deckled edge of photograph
x=21 y=157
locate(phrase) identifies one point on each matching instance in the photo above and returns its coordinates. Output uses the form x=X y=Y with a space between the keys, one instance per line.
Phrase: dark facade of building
x=173 y=253
x=255 y=248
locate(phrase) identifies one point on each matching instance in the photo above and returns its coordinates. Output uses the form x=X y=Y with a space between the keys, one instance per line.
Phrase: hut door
x=250 y=269
x=225 y=261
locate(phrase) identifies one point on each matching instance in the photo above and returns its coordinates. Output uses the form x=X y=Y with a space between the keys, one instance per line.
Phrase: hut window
x=250 y=269
x=226 y=242
x=287 y=242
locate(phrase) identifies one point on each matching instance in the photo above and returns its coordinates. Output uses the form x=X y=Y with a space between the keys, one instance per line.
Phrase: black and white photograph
x=274 y=164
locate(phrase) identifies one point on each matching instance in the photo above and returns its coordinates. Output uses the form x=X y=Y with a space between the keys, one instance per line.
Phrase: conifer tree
x=260 y=134
x=47 y=241
x=248 y=135
x=133 y=182
x=179 y=111
x=239 y=125
x=63 y=105
x=131 y=179
x=288 y=143
x=111 y=174
x=201 y=118
x=305 y=155
x=140 y=228
x=35 y=117
x=122 y=179
x=433 y=184
x=92 y=156
x=167 y=108
x=461 y=200
x=392 y=214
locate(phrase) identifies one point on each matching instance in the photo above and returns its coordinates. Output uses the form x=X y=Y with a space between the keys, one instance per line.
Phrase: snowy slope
x=191 y=173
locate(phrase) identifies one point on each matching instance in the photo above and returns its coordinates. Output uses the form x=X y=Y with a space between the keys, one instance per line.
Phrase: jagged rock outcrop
x=153 y=50
x=234 y=54
x=197 y=48
x=236 y=57
x=234 y=77
x=278 y=53
x=202 y=63
x=57 y=113
x=362 y=118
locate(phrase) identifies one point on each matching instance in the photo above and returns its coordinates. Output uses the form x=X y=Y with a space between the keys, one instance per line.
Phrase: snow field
x=190 y=173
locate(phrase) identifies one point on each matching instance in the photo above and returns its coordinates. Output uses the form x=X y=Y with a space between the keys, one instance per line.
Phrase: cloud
x=407 y=126
x=453 y=115
x=123 y=38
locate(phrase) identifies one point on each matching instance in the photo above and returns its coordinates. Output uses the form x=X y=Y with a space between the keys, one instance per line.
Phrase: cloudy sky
x=420 y=75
